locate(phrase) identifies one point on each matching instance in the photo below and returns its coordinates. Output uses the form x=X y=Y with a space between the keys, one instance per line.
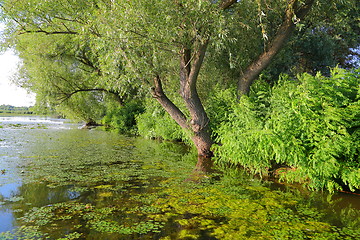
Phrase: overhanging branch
x=294 y=9
x=47 y=32
x=67 y=96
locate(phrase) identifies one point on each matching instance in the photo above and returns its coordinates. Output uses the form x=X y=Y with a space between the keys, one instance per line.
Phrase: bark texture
x=190 y=64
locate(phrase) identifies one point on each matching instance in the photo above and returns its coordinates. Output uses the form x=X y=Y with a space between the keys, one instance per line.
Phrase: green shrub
x=219 y=105
x=155 y=122
x=308 y=129
x=122 y=118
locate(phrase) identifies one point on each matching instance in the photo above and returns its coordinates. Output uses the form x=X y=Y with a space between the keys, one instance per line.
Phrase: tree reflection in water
x=78 y=184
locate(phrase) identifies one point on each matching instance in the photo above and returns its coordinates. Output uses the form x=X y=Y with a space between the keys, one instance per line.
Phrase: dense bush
x=122 y=118
x=155 y=122
x=219 y=105
x=303 y=130
x=306 y=130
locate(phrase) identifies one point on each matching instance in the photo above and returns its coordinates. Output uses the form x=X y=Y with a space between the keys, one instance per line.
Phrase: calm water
x=61 y=182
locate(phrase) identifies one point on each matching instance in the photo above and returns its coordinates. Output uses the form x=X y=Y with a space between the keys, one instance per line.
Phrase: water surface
x=62 y=182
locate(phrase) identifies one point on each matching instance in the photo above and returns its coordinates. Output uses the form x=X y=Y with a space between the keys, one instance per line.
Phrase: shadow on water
x=66 y=183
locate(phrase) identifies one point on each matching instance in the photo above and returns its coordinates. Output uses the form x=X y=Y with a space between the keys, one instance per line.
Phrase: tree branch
x=68 y=20
x=189 y=70
x=197 y=62
x=47 y=32
x=276 y=44
x=87 y=62
x=226 y=4
x=67 y=96
x=167 y=104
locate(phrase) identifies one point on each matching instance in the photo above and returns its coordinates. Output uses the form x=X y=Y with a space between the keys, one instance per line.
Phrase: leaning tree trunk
x=198 y=125
x=294 y=10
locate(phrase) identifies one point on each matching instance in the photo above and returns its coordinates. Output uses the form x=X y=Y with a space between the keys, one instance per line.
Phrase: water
x=61 y=182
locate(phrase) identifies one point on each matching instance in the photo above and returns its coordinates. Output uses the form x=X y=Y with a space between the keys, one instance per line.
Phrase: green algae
x=266 y=215
x=98 y=185
x=207 y=210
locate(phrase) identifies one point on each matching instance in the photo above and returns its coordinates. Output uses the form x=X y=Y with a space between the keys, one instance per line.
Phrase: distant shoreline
x=12 y=110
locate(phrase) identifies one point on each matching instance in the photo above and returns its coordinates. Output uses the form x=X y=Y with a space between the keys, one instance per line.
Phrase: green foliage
x=155 y=122
x=325 y=38
x=84 y=106
x=219 y=105
x=309 y=133
x=122 y=118
x=76 y=53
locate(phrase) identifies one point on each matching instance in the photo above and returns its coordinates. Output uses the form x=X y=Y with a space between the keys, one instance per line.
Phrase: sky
x=9 y=93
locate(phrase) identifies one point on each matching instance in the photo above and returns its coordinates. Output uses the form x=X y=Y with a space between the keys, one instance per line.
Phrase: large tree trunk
x=199 y=127
x=294 y=9
x=203 y=144
x=190 y=64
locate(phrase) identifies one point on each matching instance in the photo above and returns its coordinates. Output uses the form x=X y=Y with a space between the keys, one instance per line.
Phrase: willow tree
x=61 y=75
x=152 y=40
x=60 y=65
x=156 y=40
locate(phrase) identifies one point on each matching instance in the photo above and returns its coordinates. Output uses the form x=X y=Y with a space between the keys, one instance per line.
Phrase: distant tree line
x=15 y=110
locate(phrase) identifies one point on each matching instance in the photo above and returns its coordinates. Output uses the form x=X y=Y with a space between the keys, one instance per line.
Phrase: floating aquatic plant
x=78 y=185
